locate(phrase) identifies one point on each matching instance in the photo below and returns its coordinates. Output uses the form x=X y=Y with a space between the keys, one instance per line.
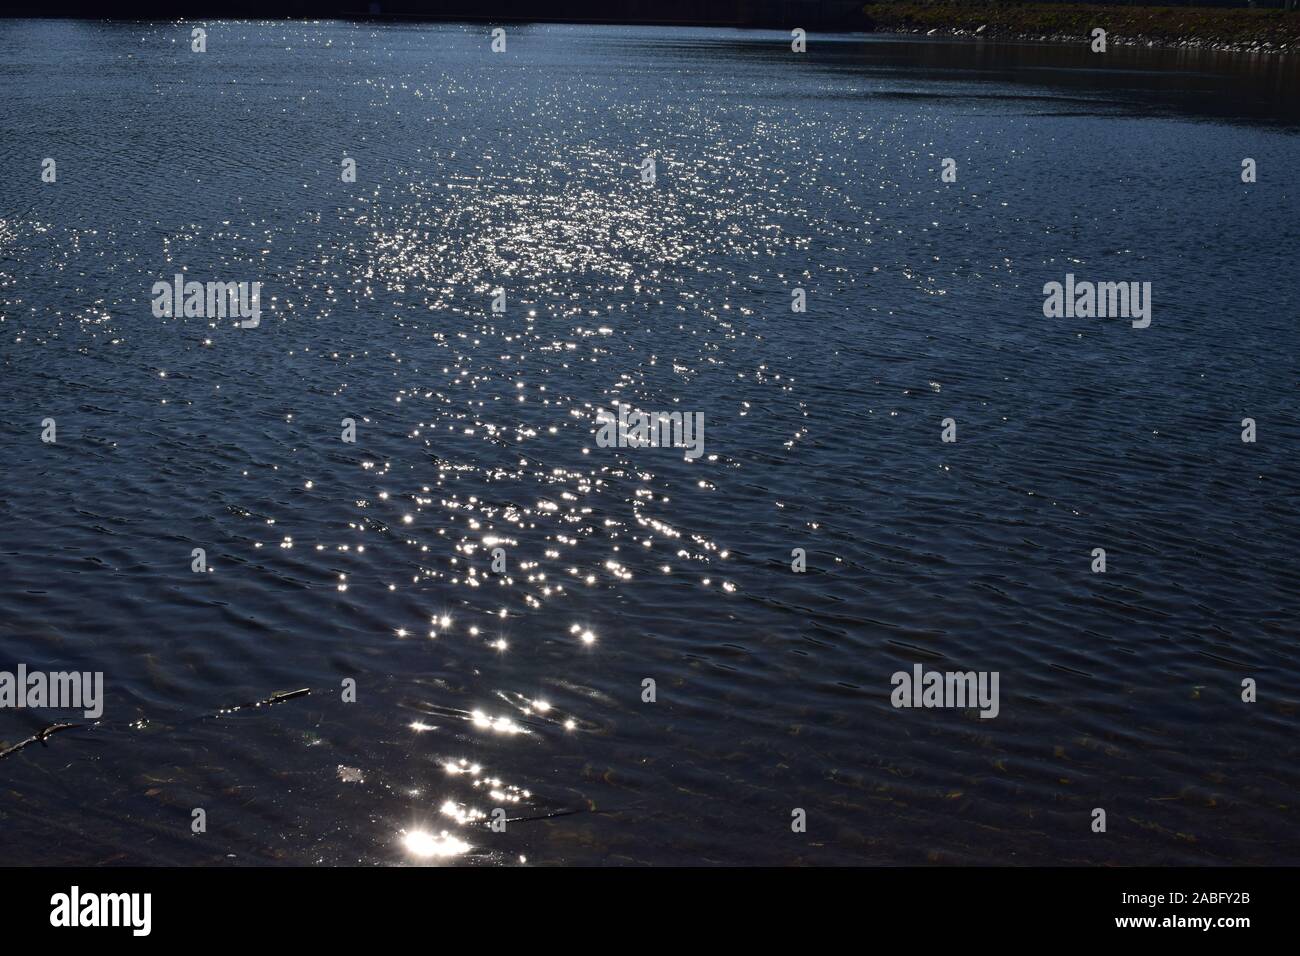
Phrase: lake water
x=371 y=561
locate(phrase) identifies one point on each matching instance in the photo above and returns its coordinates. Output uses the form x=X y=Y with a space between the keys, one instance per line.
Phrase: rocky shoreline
x=1201 y=28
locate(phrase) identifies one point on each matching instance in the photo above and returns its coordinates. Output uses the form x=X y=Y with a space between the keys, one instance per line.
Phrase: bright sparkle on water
x=420 y=843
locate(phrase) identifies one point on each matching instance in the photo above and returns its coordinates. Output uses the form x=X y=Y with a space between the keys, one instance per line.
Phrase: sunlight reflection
x=423 y=844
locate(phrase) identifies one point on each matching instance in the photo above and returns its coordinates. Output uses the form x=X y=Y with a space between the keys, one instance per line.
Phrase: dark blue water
x=371 y=561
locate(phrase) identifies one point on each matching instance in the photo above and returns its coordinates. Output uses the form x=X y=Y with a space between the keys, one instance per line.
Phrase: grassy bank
x=1214 y=27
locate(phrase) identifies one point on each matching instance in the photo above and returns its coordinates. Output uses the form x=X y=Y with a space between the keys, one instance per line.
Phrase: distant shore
x=1238 y=29
x=1215 y=28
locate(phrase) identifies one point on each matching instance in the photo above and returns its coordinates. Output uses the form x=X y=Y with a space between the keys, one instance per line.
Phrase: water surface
x=372 y=561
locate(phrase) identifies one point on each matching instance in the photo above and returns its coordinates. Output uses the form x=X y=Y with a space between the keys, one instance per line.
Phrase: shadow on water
x=1138 y=80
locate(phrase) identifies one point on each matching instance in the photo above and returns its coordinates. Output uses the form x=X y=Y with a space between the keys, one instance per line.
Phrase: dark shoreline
x=1272 y=31
x=1207 y=28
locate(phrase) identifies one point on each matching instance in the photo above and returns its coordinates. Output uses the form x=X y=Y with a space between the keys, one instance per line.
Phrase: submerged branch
x=53 y=729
